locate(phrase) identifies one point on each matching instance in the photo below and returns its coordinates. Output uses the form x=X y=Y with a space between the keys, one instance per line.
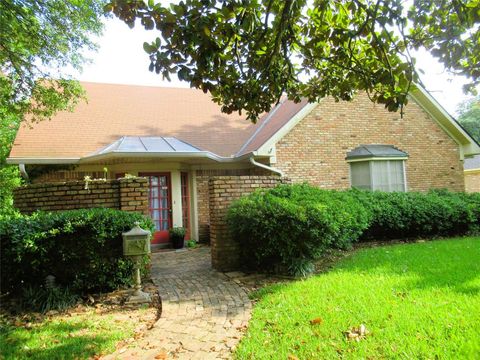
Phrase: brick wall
x=222 y=191
x=315 y=149
x=124 y=194
x=66 y=176
x=203 y=201
x=472 y=181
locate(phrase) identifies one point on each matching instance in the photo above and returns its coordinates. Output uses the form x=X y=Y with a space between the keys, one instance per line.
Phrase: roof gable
x=467 y=145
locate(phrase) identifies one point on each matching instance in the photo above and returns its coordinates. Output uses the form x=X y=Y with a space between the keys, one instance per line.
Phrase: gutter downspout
x=263 y=166
x=23 y=171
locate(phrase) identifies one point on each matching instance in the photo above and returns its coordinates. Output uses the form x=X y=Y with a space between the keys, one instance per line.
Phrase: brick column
x=134 y=195
x=223 y=190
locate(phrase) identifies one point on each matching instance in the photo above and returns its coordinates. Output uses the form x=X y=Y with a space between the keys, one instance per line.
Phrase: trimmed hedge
x=286 y=228
x=81 y=248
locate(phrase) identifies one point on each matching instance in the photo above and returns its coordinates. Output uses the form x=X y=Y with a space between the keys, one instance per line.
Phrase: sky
x=120 y=59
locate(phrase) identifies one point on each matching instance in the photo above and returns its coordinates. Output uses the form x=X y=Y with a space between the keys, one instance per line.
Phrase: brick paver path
x=204 y=312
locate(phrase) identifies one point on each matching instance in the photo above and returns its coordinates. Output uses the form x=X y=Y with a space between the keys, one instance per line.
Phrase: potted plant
x=177 y=236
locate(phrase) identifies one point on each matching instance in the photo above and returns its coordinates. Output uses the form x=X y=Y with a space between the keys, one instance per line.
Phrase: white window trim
x=377 y=159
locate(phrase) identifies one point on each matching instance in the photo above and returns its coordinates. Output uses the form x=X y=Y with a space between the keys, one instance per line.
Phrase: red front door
x=160 y=204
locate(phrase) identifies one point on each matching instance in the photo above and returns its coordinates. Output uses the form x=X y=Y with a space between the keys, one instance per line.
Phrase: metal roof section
x=147 y=144
x=365 y=152
x=154 y=147
x=472 y=163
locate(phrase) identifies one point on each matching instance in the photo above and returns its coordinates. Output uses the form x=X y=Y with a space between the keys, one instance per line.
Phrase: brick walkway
x=203 y=311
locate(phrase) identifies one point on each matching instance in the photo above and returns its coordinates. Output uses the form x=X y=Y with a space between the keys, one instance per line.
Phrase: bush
x=81 y=248
x=286 y=228
x=413 y=215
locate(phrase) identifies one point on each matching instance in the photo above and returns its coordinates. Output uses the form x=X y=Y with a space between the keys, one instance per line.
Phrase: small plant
x=177 y=232
x=43 y=300
x=191 y=244
x=177 y=236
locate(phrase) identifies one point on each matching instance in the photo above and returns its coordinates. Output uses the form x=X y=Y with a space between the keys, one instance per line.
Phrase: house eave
x=265 y=149
x=115 y=155
x=163 y=155
x=41 y=161
x=468 y=146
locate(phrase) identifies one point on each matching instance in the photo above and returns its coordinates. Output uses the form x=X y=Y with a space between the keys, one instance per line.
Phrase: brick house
x=472 y=174
x=178 y=139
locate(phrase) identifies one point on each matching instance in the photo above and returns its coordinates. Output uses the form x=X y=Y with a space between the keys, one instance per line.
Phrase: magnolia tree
x=248 y=53
x=38 y=38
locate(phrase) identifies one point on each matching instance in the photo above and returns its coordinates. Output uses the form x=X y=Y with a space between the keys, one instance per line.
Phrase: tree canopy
x=469 y=117
x=39 y=38
x=247 y=53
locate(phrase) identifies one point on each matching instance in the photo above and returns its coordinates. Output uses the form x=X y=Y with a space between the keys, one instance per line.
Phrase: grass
x=78 y=337
x=418 y=301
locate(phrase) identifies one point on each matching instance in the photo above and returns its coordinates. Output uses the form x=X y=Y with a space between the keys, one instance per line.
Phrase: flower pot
x=178 y=242
x=177 y=236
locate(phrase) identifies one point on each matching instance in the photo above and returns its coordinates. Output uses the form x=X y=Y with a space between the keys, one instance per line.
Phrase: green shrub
x=413 y=215
x=81 y=248
x=287 y=227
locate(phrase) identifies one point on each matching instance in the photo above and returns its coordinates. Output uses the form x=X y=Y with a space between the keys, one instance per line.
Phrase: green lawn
x=418 y=301
x=78 y=337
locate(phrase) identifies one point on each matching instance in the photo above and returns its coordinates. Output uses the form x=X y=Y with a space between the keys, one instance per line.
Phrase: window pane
x=360 y=173
x=380 y=175
x=388 y=175
x=396 y=176
x=385 y=175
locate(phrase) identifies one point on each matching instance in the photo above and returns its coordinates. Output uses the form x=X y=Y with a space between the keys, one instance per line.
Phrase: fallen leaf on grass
x=292 y=357
x=316 y=321
x=162 y=355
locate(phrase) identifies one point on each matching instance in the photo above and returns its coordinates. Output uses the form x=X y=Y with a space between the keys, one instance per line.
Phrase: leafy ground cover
x=417 y=301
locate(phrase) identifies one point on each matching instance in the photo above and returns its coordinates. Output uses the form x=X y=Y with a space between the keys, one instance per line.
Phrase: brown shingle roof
x=271 y=123
x=114 y=111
